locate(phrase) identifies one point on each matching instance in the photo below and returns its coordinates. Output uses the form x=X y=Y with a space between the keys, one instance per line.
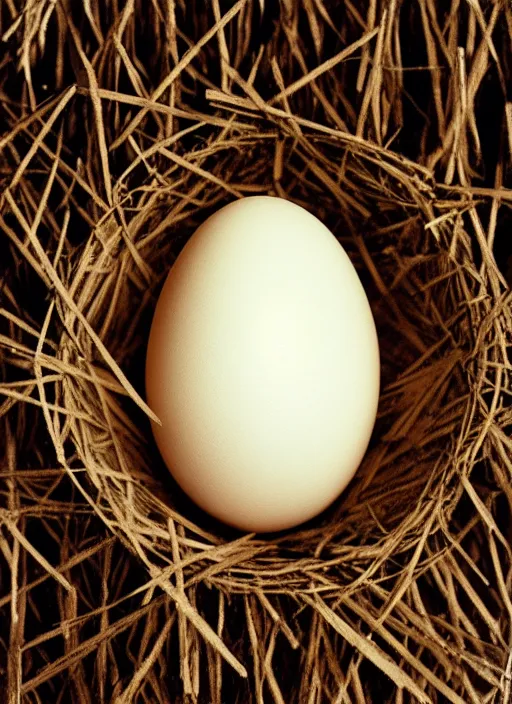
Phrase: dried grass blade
x=368 y=649
x=61 y=289
x=324 y=67
x=189 y=55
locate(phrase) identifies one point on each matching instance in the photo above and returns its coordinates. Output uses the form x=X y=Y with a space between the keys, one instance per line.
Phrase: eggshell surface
x=263 y=366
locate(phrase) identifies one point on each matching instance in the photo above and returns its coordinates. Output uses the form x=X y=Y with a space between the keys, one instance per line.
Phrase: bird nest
x=124 y=127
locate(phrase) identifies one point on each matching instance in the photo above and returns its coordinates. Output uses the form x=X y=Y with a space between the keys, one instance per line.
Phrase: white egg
x=263 y=366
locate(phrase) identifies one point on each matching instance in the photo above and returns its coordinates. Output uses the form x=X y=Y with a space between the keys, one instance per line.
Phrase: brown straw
x=123 y=126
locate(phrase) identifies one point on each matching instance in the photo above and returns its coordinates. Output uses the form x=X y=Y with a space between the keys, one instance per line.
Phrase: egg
x=263 y=366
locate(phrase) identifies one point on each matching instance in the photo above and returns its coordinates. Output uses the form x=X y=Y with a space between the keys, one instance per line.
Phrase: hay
x=123 y=127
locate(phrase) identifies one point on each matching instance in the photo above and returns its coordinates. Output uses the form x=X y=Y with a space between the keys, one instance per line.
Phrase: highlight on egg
x=263 y=366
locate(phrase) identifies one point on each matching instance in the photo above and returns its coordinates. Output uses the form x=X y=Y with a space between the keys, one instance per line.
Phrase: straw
x=123 y=127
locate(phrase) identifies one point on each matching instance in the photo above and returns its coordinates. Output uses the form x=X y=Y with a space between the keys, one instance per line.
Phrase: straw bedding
x=123 y=126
